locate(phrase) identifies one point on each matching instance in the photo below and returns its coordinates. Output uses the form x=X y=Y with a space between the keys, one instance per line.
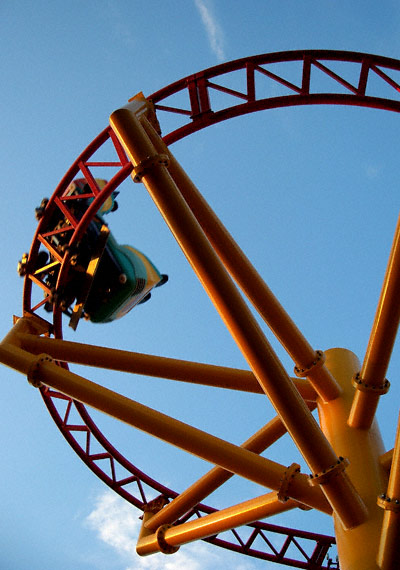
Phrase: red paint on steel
x=200 y=87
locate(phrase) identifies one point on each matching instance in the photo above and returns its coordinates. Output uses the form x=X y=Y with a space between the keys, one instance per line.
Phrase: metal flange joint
x=316 y=363
x=165 y=548
x=389 y=503
x=143 y=167
x=364 y=386
x=286 y=481
x=33 y=373
x=326 y=474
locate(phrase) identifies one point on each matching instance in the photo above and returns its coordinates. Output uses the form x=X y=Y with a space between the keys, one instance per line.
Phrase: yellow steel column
x=271 y=375
x=357 y=547
x=244 y=513
x=389 y=548
x=216 y=477
x=371 y=382
x=386 y=459
x=176 y=369
x=41 y=370
x=249 y=280
x=152 y=365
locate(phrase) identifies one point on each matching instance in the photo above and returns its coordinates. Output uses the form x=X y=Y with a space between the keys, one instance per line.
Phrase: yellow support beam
x=216 y=477
x=126 y=361
x=42 y=370
x=389 y=551
x=386 y=460
x=357 y=548
x=308 y=362
x=150 y=167
x=167 y=539
x=371 y=382
x=151 y=365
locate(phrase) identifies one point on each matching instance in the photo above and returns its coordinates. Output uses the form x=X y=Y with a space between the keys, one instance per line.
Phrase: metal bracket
x=317 y=363
x=35 y=325
x=286 y=481
x=363 y=386
x=155 y=505
x=145 y=165
x=33 y=374
x=331 y=471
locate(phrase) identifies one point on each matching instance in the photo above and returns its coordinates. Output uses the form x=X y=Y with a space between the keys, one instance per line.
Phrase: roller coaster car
x=106 y=279
x=124 y=278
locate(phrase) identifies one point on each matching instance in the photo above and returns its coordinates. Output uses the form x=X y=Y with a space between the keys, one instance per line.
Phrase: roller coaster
x=76 y=269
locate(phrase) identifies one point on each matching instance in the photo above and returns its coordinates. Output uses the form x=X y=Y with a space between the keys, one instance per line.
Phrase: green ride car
x=106 y=279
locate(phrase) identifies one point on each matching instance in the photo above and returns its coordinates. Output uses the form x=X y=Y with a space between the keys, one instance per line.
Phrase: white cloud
x=213 y=29
x=117 y=524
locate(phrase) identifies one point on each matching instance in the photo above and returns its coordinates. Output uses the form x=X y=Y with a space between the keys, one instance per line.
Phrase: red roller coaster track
x=355 y=79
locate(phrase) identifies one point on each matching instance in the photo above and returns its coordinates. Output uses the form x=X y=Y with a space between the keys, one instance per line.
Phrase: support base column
x=357 y=547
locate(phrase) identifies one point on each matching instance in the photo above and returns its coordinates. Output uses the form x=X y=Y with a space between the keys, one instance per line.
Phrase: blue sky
x=310 y=194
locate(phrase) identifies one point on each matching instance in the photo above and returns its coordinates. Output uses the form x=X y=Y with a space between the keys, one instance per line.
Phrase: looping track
x=195 y=101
